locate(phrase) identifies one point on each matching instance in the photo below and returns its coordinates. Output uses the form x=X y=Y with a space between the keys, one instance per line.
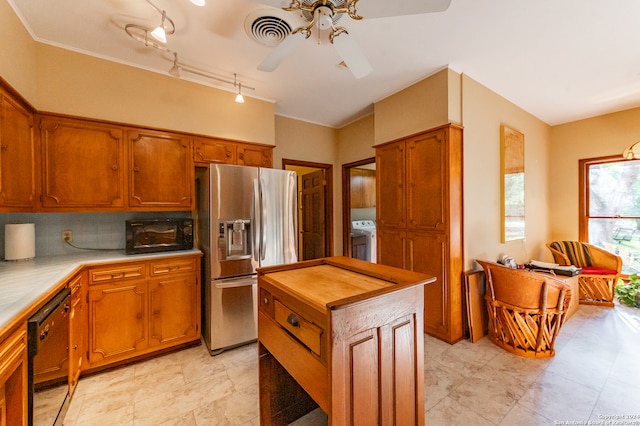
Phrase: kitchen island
x=345 y=335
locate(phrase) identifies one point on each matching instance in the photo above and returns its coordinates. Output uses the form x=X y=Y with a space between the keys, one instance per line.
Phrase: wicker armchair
x=526 y=309
x=600 y=269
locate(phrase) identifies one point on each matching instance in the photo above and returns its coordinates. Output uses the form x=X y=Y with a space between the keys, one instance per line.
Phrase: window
x=610 y=207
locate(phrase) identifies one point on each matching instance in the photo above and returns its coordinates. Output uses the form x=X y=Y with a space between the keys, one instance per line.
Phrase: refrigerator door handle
x=263 y=220
x=235 y=282
x=256 y=225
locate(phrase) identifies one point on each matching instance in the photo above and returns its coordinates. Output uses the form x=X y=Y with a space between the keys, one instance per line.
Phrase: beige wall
x=427 y=104
x=58 y=80
x=18 y=54
x=302 y=141
x=483 y=112
x=595 y=137
x=76 y=84
x=355 y=143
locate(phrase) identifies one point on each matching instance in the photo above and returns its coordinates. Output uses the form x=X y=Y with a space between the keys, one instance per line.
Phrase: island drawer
x=306 y=332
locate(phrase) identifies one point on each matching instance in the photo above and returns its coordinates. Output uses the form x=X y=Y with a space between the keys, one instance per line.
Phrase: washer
x=368 y=228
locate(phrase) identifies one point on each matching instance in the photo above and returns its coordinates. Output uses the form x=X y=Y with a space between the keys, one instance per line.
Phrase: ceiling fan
x=324 y=14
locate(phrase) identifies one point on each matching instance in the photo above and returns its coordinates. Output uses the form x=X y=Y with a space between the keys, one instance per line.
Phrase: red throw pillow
x=592 y=270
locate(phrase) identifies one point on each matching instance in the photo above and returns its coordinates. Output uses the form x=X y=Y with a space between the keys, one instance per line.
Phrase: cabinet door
x=390 y=168
x=78 y=325
x=174 y=309
x=117 y=321
x=162 y=172
x=363 y=188
x=82 y=165
x=427 y=253
x=254 y=155
x=17 y=168
x=206 y=151
x=391 y=247
x=427 y=181
x=13 y=379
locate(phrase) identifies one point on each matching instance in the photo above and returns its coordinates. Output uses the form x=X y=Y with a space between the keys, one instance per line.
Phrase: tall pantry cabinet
x=419 y=220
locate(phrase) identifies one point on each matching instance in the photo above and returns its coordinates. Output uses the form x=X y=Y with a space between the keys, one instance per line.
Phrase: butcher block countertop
x=337 y=281
x=26 y=285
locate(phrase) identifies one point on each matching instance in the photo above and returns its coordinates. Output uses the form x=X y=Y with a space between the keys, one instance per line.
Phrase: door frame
x=346 y=202
x=328 y=208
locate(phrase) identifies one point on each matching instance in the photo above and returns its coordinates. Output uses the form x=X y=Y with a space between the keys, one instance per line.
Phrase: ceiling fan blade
x=288 y=45
x=274 y=3
x=384 y=8
x=352 y=55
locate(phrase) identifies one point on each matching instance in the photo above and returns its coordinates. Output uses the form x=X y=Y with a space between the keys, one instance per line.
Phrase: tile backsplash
x=90 y=230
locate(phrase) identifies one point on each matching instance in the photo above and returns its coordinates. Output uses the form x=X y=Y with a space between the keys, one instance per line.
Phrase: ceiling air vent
x=265 y=28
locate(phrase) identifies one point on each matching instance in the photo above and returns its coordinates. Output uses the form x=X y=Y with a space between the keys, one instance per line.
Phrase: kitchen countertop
x=23 y=283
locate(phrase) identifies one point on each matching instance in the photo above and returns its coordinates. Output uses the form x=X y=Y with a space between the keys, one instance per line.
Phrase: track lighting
x=175 y=69
x=239 y=97
x=141 y=34
x=159 y=33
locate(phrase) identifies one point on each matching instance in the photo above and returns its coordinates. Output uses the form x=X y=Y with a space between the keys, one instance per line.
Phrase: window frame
x=584 y=191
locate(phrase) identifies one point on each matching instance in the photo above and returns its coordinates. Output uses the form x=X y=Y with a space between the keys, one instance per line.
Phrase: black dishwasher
x=49 y=361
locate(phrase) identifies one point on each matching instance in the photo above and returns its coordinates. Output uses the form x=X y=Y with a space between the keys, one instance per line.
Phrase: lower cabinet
x=139 y=308
x=13 y=379
x=77 y=328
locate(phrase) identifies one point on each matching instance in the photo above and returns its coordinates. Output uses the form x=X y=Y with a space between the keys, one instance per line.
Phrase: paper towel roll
x=19 y=241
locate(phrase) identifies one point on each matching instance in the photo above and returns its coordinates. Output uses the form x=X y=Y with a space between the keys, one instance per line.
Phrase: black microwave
x=155 y=235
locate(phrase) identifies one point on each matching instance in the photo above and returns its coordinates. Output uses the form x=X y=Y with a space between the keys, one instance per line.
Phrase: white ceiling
x=560 y=60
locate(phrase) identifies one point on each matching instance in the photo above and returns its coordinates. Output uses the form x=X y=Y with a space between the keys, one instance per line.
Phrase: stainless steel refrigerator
x=247 y=218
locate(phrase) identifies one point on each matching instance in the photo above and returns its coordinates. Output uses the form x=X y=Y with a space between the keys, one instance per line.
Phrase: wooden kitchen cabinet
x=174 y=301
x=17 y=155
x=209 y=150
x=141 y=307
x=255 y=155
x=362 y=188
x=83 y=165
x=117 y=321
x=78 y=321
x=345 y=335
x=14 y=379
x=161 y=172
x=420 y=219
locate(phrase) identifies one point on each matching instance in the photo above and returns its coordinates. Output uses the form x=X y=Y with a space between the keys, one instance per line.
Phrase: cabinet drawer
x=172 y=266
x=116 y=273
x=75 y=284
x=306 y=332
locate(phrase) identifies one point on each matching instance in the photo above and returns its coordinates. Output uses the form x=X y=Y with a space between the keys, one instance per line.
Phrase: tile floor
x=595 y=374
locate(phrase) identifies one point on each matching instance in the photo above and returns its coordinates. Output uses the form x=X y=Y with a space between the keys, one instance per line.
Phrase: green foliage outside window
x=629 y=293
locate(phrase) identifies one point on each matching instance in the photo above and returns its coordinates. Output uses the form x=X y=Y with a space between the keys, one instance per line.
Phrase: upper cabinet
x=222 y=151
x=161 y=175
x=255 y=155
x=206 y=151
x=83 y=165
x=363 y=188
x=17 y=149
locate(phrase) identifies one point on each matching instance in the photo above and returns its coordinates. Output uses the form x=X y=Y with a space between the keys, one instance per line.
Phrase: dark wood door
x=313 y=216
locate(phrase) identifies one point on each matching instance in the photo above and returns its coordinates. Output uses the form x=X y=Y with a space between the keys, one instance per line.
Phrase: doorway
x=315 y=208
x=358 y=201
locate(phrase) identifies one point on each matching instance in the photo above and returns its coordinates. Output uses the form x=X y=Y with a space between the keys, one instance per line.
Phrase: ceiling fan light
x=198 y=2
